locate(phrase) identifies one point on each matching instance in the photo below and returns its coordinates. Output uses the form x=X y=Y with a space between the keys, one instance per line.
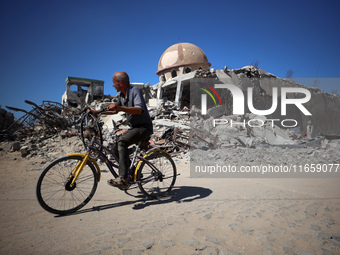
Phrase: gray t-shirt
x=135 y=99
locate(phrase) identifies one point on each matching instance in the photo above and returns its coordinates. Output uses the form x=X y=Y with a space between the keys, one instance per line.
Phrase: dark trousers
x=120 y=148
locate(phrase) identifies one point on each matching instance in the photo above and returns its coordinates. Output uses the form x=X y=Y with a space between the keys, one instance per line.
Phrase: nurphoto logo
x=238 y=99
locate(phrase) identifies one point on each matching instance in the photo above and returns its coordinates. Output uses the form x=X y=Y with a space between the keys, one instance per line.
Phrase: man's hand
x=113 y=108
x=129 y=110
x=120 y=131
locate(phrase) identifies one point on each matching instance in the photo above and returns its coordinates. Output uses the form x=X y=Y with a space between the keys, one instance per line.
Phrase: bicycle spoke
x=156 y=175
x=54 y=192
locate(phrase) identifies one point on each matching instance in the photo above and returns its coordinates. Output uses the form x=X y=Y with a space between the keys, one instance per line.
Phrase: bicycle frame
x=109 y=164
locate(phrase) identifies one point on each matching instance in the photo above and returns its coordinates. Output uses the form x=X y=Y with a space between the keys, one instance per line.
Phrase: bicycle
x=90 y=126
x=69 y=183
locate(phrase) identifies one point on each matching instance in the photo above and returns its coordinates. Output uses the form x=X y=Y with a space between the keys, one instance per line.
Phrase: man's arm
x=129 y=110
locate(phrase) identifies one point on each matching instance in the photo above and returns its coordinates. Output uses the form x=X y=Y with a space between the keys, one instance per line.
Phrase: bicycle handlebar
x=105 y=112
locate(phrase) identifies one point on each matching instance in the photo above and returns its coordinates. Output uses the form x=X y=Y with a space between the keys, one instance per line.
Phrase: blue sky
x=43 y=42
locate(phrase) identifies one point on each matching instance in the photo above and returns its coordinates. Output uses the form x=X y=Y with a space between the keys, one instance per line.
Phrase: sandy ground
x=201 y=216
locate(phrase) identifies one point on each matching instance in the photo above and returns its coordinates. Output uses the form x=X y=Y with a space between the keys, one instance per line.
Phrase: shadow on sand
x=181 y=194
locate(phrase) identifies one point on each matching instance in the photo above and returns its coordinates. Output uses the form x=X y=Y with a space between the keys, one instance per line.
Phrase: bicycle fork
x=77 y=170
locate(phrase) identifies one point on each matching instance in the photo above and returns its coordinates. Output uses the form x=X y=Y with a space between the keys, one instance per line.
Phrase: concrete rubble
x=177 y=128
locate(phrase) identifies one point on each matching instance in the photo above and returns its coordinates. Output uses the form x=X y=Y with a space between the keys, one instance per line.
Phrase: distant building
x=81 y=91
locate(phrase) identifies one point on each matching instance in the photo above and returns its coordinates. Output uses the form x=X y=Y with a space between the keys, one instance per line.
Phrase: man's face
x=116 y=84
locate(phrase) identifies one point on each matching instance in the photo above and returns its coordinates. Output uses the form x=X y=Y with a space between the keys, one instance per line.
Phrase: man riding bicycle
x=130 y=101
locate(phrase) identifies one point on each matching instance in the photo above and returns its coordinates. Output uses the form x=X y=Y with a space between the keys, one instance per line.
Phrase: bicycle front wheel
x=156 y=175
x=90 y=127
x=53 y=189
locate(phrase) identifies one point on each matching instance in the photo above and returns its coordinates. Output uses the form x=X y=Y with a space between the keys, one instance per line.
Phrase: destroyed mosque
x=174 y=116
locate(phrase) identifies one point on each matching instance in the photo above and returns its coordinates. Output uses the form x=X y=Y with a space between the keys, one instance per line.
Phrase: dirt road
x=201 y=216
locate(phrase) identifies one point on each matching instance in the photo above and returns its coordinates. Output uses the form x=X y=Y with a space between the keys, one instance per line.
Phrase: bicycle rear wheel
x=158 y=178
x=90 y=127
x=53 y=189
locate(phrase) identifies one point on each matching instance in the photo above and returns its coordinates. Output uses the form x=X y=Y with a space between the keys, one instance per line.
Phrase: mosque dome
x=182 y=55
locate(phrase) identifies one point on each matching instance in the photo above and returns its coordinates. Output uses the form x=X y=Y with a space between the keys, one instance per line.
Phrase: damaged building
x=176 y=68
x=81 y=91
x=182 y=63
x=177 y=121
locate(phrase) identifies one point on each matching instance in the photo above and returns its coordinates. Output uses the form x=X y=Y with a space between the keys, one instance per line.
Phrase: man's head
x=121 y=81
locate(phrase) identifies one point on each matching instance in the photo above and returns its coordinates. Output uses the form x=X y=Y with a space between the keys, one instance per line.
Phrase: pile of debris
x=179 y=133
x=205 y=74
x=46 y=149
x=6 y=119
x=47 y=118
x=178 y=128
